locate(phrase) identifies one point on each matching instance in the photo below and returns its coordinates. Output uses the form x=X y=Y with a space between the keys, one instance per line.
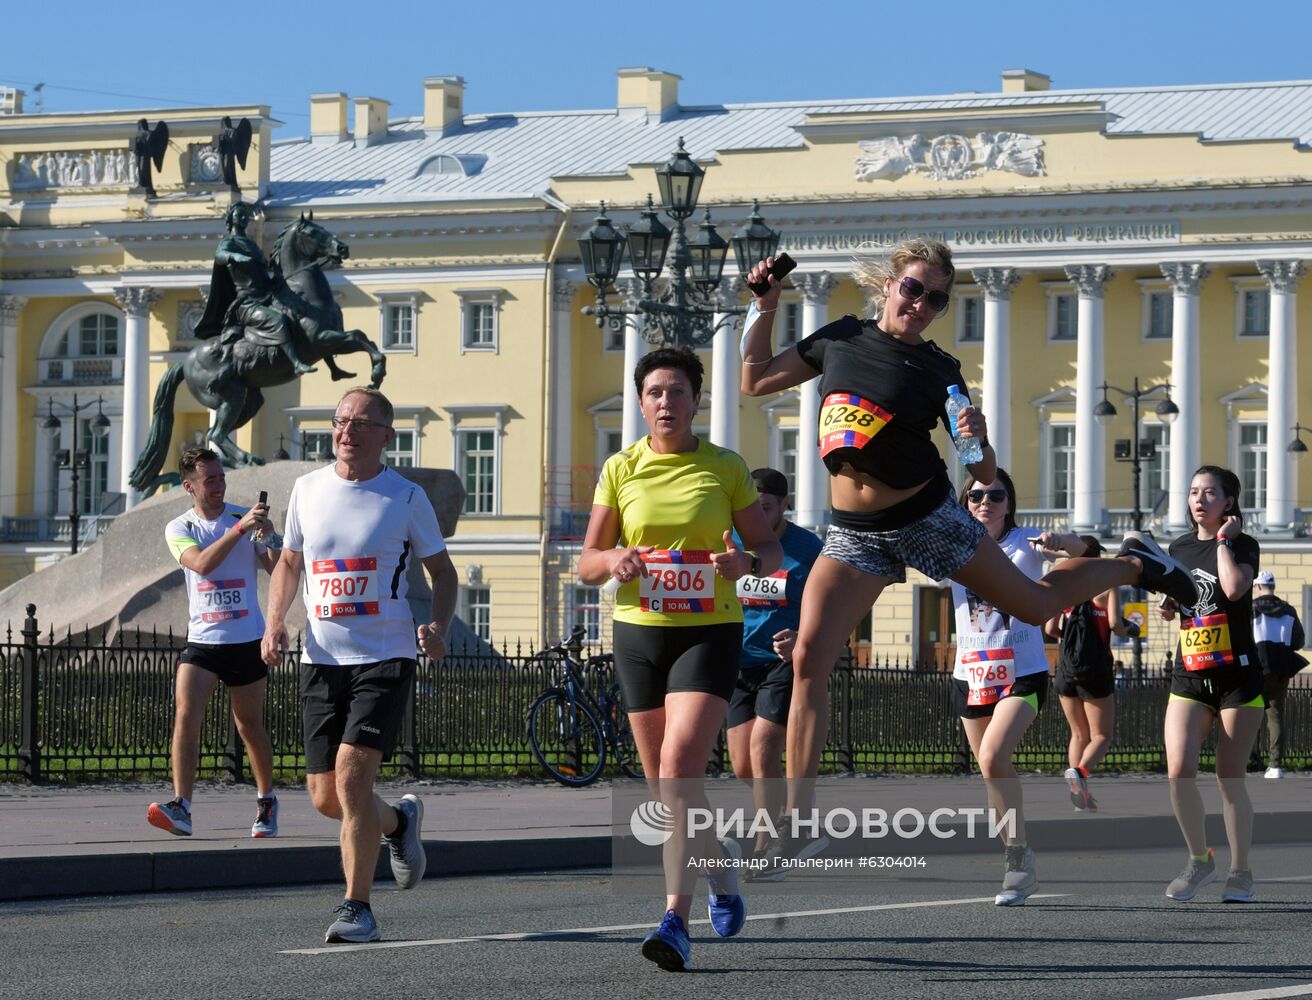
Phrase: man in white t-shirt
x=217 y=545
x=354 y=527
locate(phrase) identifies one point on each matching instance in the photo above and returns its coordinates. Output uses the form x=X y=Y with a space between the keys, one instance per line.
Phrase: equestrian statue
x=265 y=323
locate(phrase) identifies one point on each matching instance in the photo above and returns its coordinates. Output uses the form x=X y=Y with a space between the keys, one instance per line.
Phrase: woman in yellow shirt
x=662 y=521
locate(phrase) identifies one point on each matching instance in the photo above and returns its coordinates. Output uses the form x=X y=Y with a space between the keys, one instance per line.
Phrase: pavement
x=94 y=839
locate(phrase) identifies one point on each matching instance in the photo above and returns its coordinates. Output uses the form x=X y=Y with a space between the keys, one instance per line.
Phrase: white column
x=1186 y=388
x=136 y=303
x=726 y=372
x=10 y=308
x=561 y=457
x=1282 y=391
x=1090 y=441
x=635 y=347
x=812 y=482
x=997 y=283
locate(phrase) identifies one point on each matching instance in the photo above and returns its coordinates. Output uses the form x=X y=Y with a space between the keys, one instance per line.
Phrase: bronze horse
x=226 y=375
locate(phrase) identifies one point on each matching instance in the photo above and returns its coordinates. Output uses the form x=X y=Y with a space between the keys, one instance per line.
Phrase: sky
x=517 y=56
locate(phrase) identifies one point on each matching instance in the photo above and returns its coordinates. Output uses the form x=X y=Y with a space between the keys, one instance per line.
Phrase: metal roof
x=500 y=156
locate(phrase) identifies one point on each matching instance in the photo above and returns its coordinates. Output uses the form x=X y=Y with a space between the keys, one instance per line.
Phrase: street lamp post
x=685 y=313
x=1135 y=451
x=75 y=458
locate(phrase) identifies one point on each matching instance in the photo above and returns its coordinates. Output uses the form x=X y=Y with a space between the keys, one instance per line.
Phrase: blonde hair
x=871 y=268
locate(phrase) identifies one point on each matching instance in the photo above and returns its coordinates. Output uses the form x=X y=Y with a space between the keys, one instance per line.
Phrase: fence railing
x=78 y=707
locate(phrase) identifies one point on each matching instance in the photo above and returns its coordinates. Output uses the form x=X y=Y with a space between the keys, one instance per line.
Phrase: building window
x=400 y=454
x=786 y=456
x=1252 y=466
x=479 y=320
x=316 y=446
x=1061 y=466
x=1156 y=471
x=477 y=612
x=94 y=480
x=476 y=461
x=970 y=319
x=1160 y=309
x=399 y=327
x=612 y=339
x=790 y=327
x=1256 y=313
x=1063 y=317
x=97 y=335
x=585 y=610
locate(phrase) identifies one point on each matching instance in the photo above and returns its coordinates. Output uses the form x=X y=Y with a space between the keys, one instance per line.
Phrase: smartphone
x=782 y=266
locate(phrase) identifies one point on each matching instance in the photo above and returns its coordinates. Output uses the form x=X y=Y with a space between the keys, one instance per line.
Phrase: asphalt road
x=1100 y=928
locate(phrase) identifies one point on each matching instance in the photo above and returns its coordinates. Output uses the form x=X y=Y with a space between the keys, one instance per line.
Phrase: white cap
x=1265 y=579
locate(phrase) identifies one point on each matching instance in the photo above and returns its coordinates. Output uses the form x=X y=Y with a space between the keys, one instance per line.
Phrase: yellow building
x=1157 y=233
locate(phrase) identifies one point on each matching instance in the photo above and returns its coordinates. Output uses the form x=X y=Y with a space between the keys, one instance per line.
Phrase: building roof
x=505 y=156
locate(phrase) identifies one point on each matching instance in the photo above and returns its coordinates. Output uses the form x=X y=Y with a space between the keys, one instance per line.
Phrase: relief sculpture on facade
x=77 y=168
x=949 y=157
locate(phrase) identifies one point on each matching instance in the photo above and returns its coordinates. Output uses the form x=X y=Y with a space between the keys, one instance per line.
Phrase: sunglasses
x=995 y=496
x=912 y=289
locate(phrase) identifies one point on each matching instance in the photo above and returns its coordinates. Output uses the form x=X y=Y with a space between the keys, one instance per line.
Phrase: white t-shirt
x=225 y=606
x=358 y=540
x=982 y=627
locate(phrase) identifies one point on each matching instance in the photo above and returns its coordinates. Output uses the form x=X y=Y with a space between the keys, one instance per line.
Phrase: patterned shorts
x=938 y=544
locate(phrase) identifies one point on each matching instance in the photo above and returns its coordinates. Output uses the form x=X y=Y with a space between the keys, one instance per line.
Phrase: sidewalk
x=57 y=841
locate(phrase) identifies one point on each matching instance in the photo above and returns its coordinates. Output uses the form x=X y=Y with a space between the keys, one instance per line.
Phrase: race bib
x=990 y=674
x=763 y=591
x=848 y=421
x=677 y=582
x=1205 y=642
x=343 y=588
x=222 y=600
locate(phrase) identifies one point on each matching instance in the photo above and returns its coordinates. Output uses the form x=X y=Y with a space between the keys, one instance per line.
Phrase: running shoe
x=409 y=860
x=787 y=852
x=355 y=924
x=1019 y=881
x=1274 y=772
x=266 y=817
x=170 y=816
x=724 y=904
x=1160 y=573
x=1079 y=786
x=668 y=945
x=1196 y=874
x=1238 y=886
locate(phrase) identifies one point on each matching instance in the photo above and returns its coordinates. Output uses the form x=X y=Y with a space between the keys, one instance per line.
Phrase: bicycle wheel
x=566 y=739
x=626 y=750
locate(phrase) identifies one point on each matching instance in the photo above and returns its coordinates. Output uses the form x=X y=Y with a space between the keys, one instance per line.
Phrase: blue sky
x=518 y=56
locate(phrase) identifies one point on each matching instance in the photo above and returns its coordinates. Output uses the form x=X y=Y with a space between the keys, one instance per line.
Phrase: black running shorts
x=236 y=663
x=360 y=704
x=763 y=691
x=653 y=660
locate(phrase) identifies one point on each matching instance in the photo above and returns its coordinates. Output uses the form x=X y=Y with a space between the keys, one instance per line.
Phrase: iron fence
x=81 y=706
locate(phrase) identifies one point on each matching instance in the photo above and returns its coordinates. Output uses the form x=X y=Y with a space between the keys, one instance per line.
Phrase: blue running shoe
x=668 y=945
x=724 y=903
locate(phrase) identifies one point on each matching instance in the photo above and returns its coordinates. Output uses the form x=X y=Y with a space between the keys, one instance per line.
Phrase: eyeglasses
x=913 y=289
x=357 y=424
x=995 y=496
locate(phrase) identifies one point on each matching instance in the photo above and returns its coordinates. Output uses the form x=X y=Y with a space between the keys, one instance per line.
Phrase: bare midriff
x=862 y=493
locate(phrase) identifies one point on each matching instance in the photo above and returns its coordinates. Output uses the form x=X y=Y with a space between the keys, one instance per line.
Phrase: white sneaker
x=1274 y=772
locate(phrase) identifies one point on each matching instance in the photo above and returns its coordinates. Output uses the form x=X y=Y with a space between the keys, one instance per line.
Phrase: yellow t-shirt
x=683 y=502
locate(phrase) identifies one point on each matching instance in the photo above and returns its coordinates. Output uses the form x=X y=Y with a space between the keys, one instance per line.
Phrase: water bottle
x=969 y=450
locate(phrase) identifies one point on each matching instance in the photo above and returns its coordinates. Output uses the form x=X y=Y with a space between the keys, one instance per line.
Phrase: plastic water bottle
x=969 y=449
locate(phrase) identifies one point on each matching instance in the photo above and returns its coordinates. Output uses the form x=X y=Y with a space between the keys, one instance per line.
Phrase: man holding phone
x=216 y=544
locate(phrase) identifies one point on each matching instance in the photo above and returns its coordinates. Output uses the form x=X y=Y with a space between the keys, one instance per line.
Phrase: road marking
x=339 y=949
x=1272 y=994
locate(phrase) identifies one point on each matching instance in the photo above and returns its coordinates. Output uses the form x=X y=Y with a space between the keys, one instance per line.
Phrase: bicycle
x=570 y=729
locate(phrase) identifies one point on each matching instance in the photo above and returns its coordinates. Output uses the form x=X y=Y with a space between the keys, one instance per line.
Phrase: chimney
x=11 y=101
x=370 y=120
x=647 y=94
x=327 y=118
x=444 y=104
x=1018 y=81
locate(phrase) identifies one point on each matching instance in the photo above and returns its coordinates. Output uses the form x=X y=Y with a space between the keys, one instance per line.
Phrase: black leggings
x=653 y=660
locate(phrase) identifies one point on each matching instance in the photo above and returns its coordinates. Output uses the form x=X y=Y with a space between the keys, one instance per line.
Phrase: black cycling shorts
x=236 y=663
x=1219 y=687
x=763 y=691
x=653 y=660
x=360 y=703
x=1032 y=688
x=1086 y=685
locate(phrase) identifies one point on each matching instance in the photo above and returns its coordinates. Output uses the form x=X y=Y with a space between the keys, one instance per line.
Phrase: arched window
x=84 y=347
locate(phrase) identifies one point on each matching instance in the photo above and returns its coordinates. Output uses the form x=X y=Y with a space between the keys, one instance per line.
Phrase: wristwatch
x=1222 y=540
x=756 y=564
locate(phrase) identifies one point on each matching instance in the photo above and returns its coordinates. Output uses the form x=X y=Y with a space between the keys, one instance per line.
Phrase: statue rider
x=242 y=293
